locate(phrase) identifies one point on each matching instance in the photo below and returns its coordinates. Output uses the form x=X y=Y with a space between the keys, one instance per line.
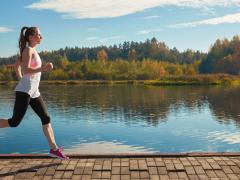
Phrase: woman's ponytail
x=22 y=42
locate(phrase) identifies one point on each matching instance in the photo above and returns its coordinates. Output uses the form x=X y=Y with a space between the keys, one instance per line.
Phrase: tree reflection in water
x=147 y=103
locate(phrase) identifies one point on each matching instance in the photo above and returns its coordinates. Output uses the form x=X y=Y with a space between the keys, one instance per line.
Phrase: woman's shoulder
x=28 y=50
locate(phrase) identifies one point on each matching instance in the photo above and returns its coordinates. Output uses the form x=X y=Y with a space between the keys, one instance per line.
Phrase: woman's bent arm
x=17 y=68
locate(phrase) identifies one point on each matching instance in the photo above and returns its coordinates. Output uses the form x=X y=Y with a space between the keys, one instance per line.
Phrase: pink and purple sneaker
x=58 y=154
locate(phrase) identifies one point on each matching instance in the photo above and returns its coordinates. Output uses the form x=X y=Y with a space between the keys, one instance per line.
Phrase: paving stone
x=107 y=165
x=215 y=166
x=96 y=174
x=220 y=174
x=87 y=170
x=144 y=175
x=182 y=175
x=58 y=174
x=85 y=177
x=186 y=162
x=50 y=171
x=230 y=163
x=179 y=166
x=47 y=177
x=78 y=170
x=206 y=166
x=116 y=163
x=232 y=176
x=211 y=174
x=125 y=177
x=133 y=165
x=151 y=163
x=203 y=177
x=235 y=169
x=115 y=177
x=106 y=174
x=70 y=167
x=142 y=165
x=135 y=175
x=173 y=175
x=41 y=171
x=219 y=167
x=199 y=170
x=76 y=177
x=97 y=167
x=193 y=177
x=164 y=177
x=227 y=169
x=195 y=163
x=125 y=163
x=67 y=174
x=190 y=170
x=170 y=166
x=162 y=170
x=116 y=170
x=153 y=170
x=125 y=170
x=154 y=177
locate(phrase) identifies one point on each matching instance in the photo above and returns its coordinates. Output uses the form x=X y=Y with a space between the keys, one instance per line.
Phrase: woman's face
x=36 y=38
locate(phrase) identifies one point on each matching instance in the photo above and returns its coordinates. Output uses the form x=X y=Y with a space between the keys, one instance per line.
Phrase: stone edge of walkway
x=123 y=155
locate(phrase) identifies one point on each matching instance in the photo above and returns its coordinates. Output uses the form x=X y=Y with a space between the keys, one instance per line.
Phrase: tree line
x=135 y=60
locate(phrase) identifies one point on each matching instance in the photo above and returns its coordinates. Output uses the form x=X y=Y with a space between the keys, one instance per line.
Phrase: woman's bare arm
x=17 y=68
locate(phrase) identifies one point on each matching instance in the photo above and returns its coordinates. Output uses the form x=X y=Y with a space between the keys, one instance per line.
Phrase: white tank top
x=30 y=82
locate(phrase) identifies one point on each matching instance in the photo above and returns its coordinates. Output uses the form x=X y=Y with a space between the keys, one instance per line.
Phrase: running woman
x=28 y=68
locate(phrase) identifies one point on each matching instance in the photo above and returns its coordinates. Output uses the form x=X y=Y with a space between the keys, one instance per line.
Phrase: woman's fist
x=48 y=67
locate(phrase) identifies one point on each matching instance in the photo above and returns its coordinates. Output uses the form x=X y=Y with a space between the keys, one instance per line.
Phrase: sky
x=184 y=24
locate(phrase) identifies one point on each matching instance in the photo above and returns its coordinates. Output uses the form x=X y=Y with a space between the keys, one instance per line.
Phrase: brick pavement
x=123 y=167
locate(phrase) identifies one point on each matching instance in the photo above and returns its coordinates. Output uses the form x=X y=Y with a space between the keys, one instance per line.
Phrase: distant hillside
x=150 y=49
x=223 y=56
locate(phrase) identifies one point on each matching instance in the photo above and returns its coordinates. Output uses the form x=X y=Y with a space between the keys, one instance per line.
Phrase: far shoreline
x=197 y=80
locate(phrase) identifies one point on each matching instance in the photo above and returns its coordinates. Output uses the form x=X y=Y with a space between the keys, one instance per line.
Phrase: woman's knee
x=46 y=120
x=14 y=122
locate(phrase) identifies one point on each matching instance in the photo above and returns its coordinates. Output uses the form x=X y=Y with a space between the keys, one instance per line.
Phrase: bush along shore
x=206 y=79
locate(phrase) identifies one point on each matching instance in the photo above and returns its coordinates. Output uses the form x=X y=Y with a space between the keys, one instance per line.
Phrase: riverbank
x=219 y=79
x=123 y=166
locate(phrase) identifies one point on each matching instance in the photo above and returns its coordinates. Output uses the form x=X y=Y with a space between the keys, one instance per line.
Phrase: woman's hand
x=48 y=67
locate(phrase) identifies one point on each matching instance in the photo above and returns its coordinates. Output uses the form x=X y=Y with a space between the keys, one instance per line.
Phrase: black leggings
x=20 y=107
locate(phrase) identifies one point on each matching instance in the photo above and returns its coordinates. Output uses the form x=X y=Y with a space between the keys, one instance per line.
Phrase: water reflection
x=231 y=138
x=127 y=118
x=224 y=103
x=104 y=147
x=151 y=104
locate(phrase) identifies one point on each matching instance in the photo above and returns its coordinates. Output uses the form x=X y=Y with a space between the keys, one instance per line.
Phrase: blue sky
x=194 y=24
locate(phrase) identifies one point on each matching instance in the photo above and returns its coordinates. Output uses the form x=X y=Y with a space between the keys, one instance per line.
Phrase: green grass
x=209 y=79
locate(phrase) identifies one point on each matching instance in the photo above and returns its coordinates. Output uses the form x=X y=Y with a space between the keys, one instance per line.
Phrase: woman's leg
x=4 y=123
x=40 y=108
x=48 y=131
x=20 y=107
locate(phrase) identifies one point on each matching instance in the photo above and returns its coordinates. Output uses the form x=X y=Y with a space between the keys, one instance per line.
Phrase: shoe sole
x=55 y=156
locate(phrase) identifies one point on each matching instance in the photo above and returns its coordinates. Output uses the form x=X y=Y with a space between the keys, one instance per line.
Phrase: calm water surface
x=127 y=118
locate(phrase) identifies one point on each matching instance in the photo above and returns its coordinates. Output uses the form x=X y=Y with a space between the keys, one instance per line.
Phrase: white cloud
x=110 y=38
x=206 y=11
x=147 y=31
x=91 y=38
x=109 y=8
x=230 y=18
x=4 y=29
x=151 y=17
x=231 y=138
x=105 y=147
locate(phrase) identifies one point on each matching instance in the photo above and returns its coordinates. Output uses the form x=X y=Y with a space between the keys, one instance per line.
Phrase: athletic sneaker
x=58 y=154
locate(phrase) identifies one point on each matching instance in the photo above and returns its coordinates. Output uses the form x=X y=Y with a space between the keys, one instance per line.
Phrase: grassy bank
x=217 y=79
